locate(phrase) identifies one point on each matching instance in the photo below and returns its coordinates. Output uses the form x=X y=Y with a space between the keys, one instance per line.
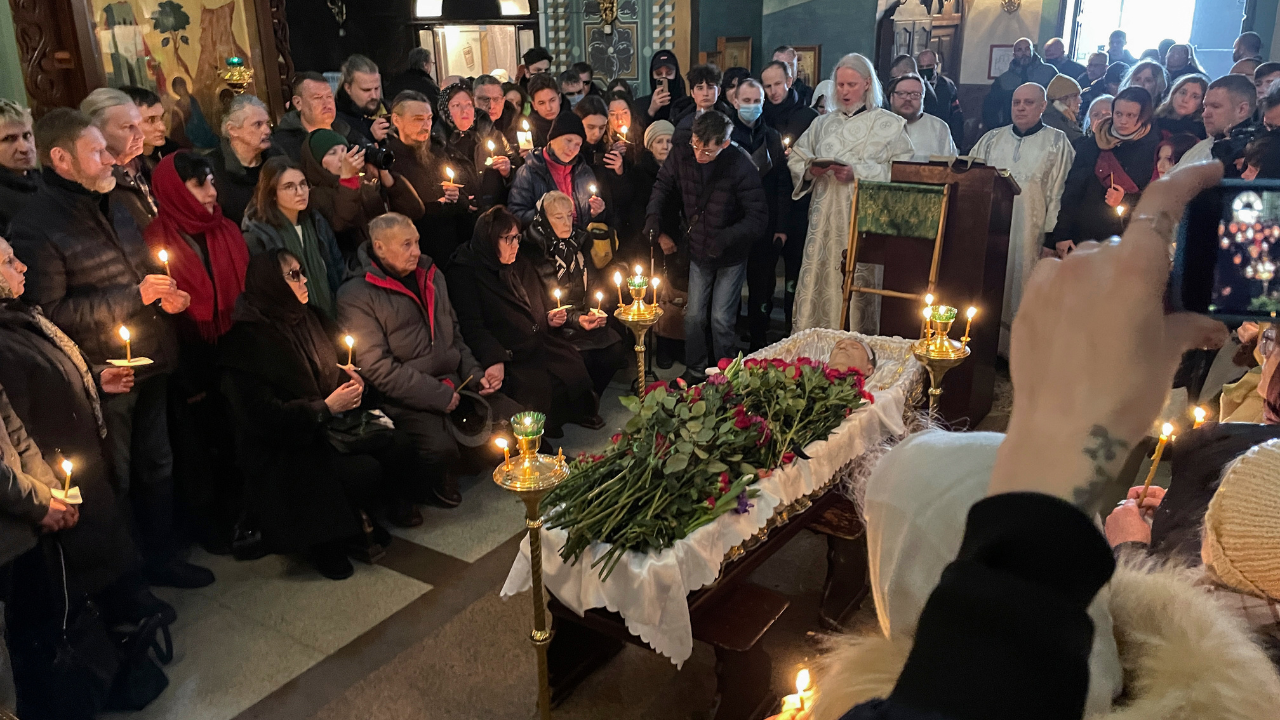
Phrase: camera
x=1231 y=148
x=378 y=157
x=1226 y=260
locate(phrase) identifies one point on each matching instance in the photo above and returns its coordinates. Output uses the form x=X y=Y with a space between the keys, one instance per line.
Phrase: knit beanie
x=567 y=124
x=660 y=128
x=1242 y=526
x=1061 y=86
x=321 y=141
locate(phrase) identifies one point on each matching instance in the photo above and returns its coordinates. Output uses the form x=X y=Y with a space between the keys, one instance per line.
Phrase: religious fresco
x=178 y=48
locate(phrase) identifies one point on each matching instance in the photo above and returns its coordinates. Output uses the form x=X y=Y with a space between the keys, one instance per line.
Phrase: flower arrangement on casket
x=688 y=456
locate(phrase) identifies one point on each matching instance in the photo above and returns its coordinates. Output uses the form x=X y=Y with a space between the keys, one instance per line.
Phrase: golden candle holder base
x=237 y=76
x=938 y=354
x=531 y=476
x=639 y=316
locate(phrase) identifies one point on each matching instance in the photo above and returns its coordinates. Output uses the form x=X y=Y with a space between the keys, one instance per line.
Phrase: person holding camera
x=1228 y=107
x=351 y=185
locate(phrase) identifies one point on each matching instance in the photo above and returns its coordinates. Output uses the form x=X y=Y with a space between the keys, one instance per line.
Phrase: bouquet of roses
x=691 y=454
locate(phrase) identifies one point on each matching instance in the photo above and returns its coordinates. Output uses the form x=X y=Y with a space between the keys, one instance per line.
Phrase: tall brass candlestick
x=937 y=351
x=639 y=316
x=531 y=477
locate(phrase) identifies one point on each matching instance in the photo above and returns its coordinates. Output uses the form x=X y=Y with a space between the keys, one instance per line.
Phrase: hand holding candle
x=489 y=160
x=599 y=301
x=799 y=705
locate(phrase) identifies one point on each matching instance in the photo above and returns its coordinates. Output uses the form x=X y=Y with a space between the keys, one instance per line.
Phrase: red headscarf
x=212 y=300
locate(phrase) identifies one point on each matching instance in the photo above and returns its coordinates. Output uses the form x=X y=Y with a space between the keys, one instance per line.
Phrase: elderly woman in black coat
x=285 y=384
x=507 y=317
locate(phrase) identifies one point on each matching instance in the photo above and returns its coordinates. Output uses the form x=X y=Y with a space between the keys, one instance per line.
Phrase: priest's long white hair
x=874 y=96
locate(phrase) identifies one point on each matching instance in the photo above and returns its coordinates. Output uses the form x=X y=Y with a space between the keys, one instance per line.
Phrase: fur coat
x=1184 y=657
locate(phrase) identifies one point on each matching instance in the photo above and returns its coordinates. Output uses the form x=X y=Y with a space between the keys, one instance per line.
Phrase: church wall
x=732 y=18
x=839 y=26
x=574 y=33
x=985 y=25
x=11 y=86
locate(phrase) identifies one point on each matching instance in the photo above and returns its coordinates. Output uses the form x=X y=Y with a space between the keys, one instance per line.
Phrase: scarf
x=1066 y=111
x=562 y=176
x=68 y=347
x=483 y=251
x=213 y=298
x=269 y=300
x=1108 y=139
x=309 y=252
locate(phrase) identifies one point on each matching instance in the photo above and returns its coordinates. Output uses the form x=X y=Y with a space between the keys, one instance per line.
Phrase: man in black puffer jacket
x=724 y=212
x=92 y=274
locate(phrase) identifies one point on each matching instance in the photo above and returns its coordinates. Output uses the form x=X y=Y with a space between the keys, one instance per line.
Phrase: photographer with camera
x=352 y=184
x=1228 y=109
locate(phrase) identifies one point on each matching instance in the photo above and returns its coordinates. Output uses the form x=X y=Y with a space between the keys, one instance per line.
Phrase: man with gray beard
x=422 y=161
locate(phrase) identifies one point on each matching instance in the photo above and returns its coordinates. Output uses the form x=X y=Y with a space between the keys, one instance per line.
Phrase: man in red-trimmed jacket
x=410 y=348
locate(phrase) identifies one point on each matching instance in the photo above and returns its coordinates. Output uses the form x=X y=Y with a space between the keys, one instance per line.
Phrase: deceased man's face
x=850 y=353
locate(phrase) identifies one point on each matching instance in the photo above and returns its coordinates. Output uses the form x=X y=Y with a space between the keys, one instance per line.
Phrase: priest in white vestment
x=862 y=139
x=929 y=135
x=1039 y=158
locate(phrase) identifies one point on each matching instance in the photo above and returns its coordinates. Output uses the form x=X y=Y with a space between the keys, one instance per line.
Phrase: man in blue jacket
x=724 y=211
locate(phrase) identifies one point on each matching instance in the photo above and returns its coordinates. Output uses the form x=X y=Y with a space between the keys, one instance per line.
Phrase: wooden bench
x=731 y=615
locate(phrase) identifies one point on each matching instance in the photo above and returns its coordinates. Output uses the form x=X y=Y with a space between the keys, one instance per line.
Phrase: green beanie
x=322 y=141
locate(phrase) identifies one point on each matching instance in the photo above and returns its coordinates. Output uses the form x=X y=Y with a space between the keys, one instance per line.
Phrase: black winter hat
x=567 y=124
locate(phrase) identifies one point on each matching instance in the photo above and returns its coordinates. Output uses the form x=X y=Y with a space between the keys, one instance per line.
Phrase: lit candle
x=351 y=346
x=592 y=188
x=524 y=138
x=968 y=320
x=617 y=280
x=128 y=350
x=786 y=141
x=506 y=451
x=798 y=705
x=599 y=301
x=66 y=483
x=1165 y=431
x=164 y=258
x=655 y=282
x=449 y=171
x=1200 y=414
x=1120 y=210
x=489 y=160
x=623 y=132
x=925 y=329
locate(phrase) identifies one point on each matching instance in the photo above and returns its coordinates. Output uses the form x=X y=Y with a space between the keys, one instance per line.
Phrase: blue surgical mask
x=575 y=97
x=750 y=113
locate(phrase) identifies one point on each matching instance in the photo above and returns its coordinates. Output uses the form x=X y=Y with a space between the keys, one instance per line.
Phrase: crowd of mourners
x=285 y=342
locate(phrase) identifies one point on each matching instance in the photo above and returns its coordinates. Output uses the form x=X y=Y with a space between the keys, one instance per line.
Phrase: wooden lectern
x=975 y=251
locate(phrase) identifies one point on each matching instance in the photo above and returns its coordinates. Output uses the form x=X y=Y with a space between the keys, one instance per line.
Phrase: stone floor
x=425 y=634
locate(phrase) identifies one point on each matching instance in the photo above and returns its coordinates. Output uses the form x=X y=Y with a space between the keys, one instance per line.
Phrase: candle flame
x=599 y=296
x=525 y=125
x=490 y=146
x=639 y=271
x=617 y=279
x=928 y=298
x=350 y=341
x=449 y=171
x=124 y=333
x=1120 y=210
x=654 y=282
x=556 y=292
x=528 y=420
x=163 y=255
x=971 y=312
x=786 y=140
x=802 y=680
x=1200 y=414
x=623 y=130
x=928 y=313
x=592 y=188
x=501 y=443
x=67 y=467
x=1166 y=430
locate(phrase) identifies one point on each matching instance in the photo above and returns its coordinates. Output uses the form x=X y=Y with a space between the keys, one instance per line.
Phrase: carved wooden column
x=59 y=51
x=273 y=34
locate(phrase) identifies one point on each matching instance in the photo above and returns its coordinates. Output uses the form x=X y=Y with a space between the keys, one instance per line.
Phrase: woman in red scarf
x=207 y=256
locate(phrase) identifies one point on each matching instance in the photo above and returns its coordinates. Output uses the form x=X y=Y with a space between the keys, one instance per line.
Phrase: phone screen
x=1227 y=257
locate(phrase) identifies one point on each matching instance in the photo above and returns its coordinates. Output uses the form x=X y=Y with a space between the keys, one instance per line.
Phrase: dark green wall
x=731 y=18
x=839 y=26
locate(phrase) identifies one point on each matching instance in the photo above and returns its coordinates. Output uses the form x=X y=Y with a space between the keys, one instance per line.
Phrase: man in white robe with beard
x=863 y=140
x=929 y=135
x=1039 y=158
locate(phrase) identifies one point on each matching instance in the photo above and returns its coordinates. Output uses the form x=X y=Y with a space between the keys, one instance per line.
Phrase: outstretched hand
x=1093 y=353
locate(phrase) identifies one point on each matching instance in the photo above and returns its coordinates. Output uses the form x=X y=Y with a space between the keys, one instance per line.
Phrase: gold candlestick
x=937 y=351
x=638 y=315
x=237 y=76
x=531 y=477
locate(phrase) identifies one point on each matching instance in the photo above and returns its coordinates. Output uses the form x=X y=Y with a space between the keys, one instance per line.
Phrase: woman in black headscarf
x=285 y=382
x=507 y=319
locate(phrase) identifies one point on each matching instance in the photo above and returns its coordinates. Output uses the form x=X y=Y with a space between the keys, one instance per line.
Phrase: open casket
x=650 y=590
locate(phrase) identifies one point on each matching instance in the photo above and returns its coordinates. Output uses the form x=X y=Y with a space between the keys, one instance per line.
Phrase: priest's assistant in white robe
x=1039 y=163
x=931 y=136
x=868 y=141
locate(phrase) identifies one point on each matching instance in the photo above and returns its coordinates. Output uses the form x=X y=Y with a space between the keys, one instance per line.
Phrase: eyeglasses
x=298 y=187
x=509 y=238
x=907 y=95
x=295 y=275
x=485 y=102
x=706 y=152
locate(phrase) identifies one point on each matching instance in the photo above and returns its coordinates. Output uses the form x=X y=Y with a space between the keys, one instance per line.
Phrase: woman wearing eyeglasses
x=279 y=218
x=507 y=317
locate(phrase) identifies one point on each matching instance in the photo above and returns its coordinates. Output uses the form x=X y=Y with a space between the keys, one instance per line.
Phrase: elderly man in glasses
x=929 y=135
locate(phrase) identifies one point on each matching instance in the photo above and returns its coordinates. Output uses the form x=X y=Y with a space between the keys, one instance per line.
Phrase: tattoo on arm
x=1104 y=451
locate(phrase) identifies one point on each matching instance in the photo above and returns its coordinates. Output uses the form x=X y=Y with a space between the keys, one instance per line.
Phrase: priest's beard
x=422 y=153
x=851 y=108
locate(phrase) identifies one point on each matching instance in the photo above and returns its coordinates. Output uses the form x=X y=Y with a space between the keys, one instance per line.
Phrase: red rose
x=724 y=482
x=711 y=502
x=787 y=457
x=654 y=386
x=724 y=364
x=616 y=437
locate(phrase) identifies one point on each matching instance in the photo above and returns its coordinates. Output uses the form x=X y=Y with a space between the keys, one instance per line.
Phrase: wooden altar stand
x=731 y=615
x=975 y=250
